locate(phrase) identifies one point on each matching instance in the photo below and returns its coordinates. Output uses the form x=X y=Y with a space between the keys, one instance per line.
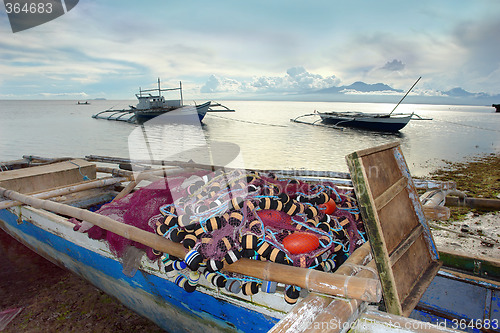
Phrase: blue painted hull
x=150 y=295
x=467 y=304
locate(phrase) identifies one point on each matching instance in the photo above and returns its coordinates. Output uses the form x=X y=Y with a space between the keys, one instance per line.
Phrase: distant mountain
x=459 y=92
x=365 y=87
x=358 y=86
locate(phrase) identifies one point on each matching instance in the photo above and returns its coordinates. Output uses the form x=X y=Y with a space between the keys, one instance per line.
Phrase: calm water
x=262 y=131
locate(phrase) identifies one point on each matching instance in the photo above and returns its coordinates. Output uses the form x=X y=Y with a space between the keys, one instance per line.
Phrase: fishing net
x=223 y=216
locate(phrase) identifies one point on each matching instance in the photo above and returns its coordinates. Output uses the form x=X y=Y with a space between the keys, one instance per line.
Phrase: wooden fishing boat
x=385 y=122
x=144 y=286
x=151 y=105
x=371 y=121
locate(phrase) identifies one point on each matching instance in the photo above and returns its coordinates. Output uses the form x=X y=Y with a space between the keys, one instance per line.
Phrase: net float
x=193 y=259
x=182 y=282
x=177 y=235
x=283 y=197
x=235 y=219
x=225 y=243
x=292 y=294
x=269 y=203
x=233 y=286
x=300 y=242
x=215 y=279
x=236 y=203
x=311 y=212
x=264 y=249
x=216 y=203
x=169 y=220
x=323 y=226
x=232 y=256
x=277 y=256
x=161 y=229
x=213 y=223
x=249 y=242
x=328 y=207
x=184 y=220
x=248 y=253
x=291 y=208
x=250 y=288
x=168 y=210
x=189 y=241
x=328 y=265
x=214 y=265
x=193 y=278
x=269 y=286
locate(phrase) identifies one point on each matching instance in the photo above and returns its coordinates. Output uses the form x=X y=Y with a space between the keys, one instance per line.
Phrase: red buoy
x=272 y=217
x=300 y=242
x=329 y=207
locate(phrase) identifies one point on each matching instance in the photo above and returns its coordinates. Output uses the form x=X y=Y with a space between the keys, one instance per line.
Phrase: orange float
x=300 y=242
x=329 y=207
x=273 y=217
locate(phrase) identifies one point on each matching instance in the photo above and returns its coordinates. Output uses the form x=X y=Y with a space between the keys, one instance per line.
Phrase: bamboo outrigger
x=43 y=225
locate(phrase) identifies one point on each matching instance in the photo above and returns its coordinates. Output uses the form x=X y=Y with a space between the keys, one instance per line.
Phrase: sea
x=260 y=134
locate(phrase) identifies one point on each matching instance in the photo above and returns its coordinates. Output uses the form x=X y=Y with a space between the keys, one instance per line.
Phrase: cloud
x=67 y=94
x=296 y=80
x=394 y=66
x=217 y=84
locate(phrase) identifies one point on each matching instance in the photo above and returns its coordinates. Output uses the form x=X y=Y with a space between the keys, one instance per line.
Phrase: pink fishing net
x=223 y=216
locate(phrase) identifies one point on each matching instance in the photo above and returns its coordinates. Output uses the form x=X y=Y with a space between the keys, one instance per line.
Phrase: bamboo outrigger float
x=39 y=200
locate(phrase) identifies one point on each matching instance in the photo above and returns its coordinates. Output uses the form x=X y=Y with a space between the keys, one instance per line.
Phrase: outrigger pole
x=405 y=95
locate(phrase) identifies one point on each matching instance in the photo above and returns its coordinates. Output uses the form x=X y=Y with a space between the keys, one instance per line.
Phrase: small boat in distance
x=83 y=103
x=152 y=104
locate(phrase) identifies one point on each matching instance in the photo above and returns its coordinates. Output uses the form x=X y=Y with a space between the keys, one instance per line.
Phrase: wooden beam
x=389 y=194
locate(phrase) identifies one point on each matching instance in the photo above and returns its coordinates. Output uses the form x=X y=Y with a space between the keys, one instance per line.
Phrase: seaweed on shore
x=478 y=177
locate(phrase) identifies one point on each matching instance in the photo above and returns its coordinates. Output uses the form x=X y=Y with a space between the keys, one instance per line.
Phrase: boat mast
x=180 y=88
x=405 y=95
x=159 y=90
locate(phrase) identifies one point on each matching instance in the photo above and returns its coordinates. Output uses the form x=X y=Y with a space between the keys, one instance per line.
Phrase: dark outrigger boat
x=371 y=264
x=384 y=122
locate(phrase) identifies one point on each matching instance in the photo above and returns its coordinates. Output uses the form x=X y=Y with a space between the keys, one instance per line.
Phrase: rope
x=471 y=126
x=80 y=171
x=249 y=122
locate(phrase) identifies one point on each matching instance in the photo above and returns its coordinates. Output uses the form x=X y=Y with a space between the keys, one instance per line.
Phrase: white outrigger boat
x=43 y=198
x=152 y=105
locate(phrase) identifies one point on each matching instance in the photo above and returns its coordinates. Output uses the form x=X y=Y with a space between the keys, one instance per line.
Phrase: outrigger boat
x=385 y=122
x=46 y=207
x=153 y=105
x=371 y=121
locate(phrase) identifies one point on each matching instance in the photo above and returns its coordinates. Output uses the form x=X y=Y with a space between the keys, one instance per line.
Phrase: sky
x=257 y=50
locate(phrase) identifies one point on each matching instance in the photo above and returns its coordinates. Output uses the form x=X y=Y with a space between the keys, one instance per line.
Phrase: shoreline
x=468 y=230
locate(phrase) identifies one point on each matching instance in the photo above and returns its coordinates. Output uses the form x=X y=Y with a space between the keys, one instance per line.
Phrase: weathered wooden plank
x=389 y=194
x=402 y=245
x=48 y=176
x=375 y=234
x=405 y=244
